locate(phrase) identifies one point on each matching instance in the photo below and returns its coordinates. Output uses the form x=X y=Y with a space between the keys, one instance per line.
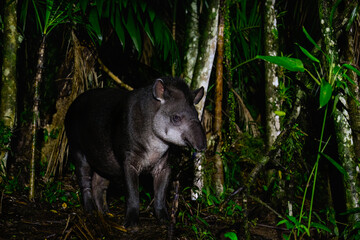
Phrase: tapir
x=114 y=134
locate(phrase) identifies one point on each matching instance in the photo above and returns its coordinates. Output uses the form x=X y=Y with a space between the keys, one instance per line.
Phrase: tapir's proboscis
x=114 y=134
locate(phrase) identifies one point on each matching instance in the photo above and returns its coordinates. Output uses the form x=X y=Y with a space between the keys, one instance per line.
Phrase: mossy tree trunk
x=218 y=177
x=272 y=103
x=192 y=37
x=344 y=132
x=8 y=78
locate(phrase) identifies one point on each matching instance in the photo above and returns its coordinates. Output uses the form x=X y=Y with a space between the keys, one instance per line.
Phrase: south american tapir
x=115 y=134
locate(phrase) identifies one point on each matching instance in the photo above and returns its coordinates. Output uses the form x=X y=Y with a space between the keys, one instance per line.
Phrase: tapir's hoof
x=132 y=218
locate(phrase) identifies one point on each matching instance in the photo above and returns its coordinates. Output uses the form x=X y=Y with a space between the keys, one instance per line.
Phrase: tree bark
x=8 y=78
x=201 y=75
x=271 y=78
x=205 y=58
x=192 y=41
x=36 y=116
x=344 y=134
x=218 y=177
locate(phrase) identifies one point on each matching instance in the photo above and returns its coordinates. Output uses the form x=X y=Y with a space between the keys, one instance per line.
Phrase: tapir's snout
x=196 y=137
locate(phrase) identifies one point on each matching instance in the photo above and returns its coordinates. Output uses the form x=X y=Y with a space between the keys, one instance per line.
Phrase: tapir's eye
x=176 y=119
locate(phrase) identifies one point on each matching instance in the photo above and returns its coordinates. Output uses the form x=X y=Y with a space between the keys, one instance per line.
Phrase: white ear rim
x=158 y=90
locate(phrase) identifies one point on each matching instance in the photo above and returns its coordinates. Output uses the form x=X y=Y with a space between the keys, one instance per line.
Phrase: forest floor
x=23 y=219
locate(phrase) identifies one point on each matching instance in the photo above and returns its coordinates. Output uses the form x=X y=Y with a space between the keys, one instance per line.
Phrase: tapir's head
x=176 y=120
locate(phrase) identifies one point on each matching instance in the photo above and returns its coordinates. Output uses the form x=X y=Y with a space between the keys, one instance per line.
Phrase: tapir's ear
x=198 y=93
x=158 y=90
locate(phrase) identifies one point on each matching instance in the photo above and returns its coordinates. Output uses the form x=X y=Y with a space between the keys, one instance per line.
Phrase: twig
x=114 y=77
x=174 y=209
x=266 y=205
x=231 y=197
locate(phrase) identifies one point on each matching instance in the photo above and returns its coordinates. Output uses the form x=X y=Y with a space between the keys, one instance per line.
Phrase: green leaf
x=99 y=6
x=352 y=17
x=151 y=14
x=320 y=226
x=308 y=54
x=337 y=165
x=49 y=6
x=310 y=39
x=291 y=64
x=231 y=235
x=94 y=22
x=134 y=31
x=119 y=27
x=325 y=93
x=83 y=5
x=280 y=113
x=351 y=211
x=352 y=68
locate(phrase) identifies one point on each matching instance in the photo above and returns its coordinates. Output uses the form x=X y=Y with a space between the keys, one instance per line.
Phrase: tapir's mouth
x=189 y=144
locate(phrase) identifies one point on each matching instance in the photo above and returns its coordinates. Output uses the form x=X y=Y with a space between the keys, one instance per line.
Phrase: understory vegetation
x=302 y=184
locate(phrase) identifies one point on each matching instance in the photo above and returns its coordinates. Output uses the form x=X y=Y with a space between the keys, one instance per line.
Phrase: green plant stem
x=314 y=172
x=315 y=79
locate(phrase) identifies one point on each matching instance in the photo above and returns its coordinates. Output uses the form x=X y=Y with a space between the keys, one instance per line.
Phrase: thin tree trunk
x=8 y=78
x=344 y=134
x=271 y=78
x=36 y=116
x=218 y=177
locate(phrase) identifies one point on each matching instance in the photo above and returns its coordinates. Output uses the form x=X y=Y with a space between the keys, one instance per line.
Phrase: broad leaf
x=291 y=64
x=325 y=93
x=231 y=236
x=99 y=6
x=134 y=31
x=94 y=21
x=119 y=27
x=83 y=5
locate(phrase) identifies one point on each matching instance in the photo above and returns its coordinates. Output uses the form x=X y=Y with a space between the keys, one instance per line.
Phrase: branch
x=113 y=76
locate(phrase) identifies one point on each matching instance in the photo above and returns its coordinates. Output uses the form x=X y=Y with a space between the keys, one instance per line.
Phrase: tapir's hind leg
x=99 y=187
x=84 y=174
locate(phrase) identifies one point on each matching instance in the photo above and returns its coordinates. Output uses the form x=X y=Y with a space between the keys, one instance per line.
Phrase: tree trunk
x=205 y=58
x=36 y=116
x=8 y=79
x=192 y=41
x=271 y=79
x=218 y=177
x=201 y=77
x=344 y=135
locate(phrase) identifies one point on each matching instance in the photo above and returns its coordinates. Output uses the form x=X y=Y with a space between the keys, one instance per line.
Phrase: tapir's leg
x=132 y=197
x=161 y=175
x=84 y=174
x=99 y=187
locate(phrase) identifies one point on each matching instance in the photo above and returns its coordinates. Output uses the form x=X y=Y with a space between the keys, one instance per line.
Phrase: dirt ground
x=23 y=219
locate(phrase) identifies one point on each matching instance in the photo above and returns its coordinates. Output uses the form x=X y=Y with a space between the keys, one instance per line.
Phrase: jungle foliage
x=296 y=187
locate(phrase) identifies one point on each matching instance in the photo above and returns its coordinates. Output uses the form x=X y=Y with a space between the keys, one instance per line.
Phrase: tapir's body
x=114 y=134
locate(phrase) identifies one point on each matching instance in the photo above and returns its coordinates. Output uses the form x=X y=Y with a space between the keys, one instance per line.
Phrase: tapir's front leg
x=161 y=175
x=132 y=198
